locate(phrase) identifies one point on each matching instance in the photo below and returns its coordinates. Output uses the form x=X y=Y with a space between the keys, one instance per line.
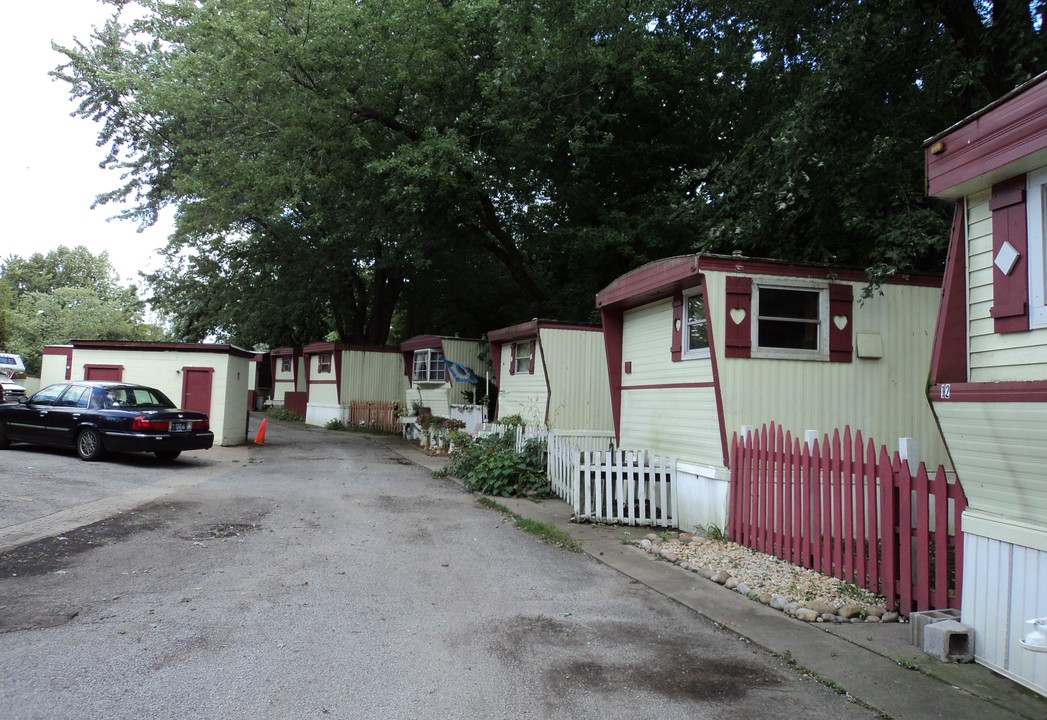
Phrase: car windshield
x=136 y=397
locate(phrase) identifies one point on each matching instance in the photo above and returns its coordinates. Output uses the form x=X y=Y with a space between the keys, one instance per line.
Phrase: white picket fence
x=626 y=487
x=604 y=485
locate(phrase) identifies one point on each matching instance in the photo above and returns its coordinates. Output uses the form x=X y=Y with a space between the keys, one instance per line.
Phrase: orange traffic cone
x=259 y=439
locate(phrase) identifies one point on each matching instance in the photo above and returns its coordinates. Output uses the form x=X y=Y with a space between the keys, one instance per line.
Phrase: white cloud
x=50 y=172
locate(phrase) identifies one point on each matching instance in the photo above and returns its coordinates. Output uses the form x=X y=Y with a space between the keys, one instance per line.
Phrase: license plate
x=180 y=427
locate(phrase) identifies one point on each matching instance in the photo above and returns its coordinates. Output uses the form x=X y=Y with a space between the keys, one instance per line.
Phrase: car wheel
x=89 y=444
x=4 y=442
x=167 y=455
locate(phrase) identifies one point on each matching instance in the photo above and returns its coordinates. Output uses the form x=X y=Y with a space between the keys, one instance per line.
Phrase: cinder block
x=919 y=620
x=949 y=641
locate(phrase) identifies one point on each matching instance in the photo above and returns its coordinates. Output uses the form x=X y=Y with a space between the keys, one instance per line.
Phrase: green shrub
x=490 y=465
x=335 y=424
x=279 y=413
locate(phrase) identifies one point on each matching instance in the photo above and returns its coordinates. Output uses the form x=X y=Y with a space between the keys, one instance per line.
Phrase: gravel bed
x=767 y=579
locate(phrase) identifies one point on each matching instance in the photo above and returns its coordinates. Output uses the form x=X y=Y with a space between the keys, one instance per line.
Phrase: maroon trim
x=94 y=366
x=612 y=342
x=512 y=358
x=135 y=345
x=663 y=278
x=545 y=373
x=717 y=389
x=1010 y=293
x=669 y=386
x=992 y=392
x=323 y=382
x=628 y=367
x=841 y=304
x=66 y=351
x=496 y=362
x=1005 y=132
x=530 y=361
x=422 y=342
x=738 y=335
x=949 y=356
x=676 y=346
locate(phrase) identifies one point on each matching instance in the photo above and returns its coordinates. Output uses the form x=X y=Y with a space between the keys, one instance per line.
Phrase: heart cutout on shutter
x=840 y=321
x=737 y=315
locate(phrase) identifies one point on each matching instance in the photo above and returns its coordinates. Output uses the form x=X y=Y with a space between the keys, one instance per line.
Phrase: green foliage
x=712 y=531
x=279 y=413
x=490 y=465
x=335 y=424
x=67 y=294
x=543 y=531
x=338 y=165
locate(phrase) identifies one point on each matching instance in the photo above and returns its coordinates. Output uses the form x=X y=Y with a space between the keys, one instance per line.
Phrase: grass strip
x=543 y=531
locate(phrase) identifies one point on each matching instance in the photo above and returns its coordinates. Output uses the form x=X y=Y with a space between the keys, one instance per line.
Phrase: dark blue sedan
x=98 y=417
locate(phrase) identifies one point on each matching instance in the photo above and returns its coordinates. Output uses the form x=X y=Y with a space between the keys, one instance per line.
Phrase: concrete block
x=949 y=641
x=919 y=620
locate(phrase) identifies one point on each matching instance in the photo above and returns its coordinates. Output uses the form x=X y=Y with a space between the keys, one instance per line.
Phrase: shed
x=288 y=376
x=552 y=374
x=207 y=377
x=699 y=345
x=337 y=376
x=456 y=391
x=989 y=368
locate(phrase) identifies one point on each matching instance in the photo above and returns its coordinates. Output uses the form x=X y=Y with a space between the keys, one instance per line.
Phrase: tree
x=470 y=162
x=65 y=295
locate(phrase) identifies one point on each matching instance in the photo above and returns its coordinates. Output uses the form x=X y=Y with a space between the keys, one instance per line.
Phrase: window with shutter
x=1010 y=234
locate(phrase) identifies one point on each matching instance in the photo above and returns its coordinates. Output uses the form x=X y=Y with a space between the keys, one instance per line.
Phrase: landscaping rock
x=720 y=577
x=806 y=614
x=820 y=607
x=850 y=611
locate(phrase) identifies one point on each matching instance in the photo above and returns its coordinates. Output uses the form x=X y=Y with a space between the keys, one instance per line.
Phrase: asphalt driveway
x=324 y=575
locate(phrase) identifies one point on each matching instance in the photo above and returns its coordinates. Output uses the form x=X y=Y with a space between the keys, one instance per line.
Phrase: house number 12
x=946 y=391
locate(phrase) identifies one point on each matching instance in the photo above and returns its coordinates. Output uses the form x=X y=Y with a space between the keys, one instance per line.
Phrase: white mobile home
x=338 y=375
x=552 y=374
x=288 y=376
x=698 y=346
x=447 y=375
x=989 y=369
x=195 y=376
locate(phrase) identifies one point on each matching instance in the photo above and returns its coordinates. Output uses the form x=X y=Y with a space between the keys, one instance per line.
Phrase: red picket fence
x=858 y=516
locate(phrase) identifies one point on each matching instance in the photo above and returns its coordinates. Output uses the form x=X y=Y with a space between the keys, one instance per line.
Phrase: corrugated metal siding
x=646 y=343
x=575 y=363
x=1000 y=455
x=883 y=397
x=522 y=393
x=1005 y=585
x=680 y=422
x=994 y=357
x=466 y=352
x=372 y=376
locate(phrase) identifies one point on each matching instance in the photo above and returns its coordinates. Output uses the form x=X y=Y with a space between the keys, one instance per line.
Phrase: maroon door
x=196 y=389
x=103 y=372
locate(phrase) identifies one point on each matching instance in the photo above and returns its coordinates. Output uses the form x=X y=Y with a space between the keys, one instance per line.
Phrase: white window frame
x=435 y=370
x=285 y=364
x=1036 y=215
x=758 y=351
x=324 y=361
x=686 y=351
x=525 y=356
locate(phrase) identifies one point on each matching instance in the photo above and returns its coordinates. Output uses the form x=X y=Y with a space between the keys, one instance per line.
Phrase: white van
x=9 y=366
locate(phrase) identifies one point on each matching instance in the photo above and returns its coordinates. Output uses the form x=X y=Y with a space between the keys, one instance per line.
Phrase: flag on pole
x=460 y=372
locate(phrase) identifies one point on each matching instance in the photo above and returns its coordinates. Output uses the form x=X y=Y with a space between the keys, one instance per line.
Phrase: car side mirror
x=23 y=399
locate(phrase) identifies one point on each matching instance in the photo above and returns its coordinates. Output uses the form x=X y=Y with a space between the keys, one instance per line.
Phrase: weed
x=543 y=531
x=625 y=539
x=827 y=682
x=712 y=531
x=907 y=664
x=279 y=413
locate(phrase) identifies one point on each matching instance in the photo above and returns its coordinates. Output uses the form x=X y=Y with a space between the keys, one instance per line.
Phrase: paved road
x=324 y=576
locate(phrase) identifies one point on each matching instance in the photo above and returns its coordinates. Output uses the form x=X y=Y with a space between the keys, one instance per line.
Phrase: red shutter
x=1010 y=292
x=738 y=319
x=512 y=358
x=841 y=321
x=530 y=365
x=676 y=348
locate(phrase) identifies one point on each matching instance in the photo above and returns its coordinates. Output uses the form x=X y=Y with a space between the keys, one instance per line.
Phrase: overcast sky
x=50 y=172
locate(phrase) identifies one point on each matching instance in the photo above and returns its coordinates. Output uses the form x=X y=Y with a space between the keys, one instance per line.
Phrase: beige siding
x=883 y=397
x=163 y=370
x=994 y=357
x=576 y=366
x=680 y=422
x=524 y=394
x=441 y=397
x=372 y=376
x=1000 y=456
x=284 y=382
x=646 y=343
